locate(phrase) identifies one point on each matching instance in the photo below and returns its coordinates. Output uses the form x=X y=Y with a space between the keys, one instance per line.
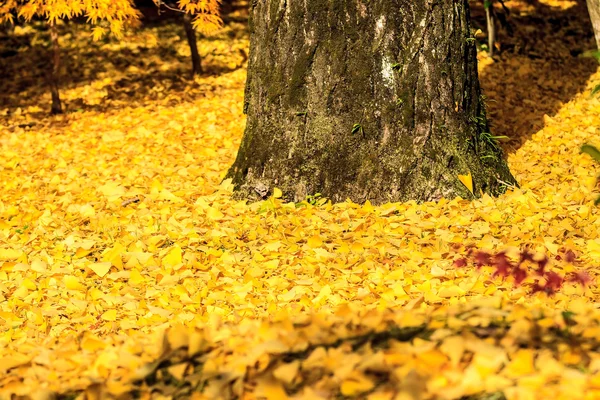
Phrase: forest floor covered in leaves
x=115 y=225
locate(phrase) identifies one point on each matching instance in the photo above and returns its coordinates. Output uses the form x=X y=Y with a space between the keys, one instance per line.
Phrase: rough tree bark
x=375 y=100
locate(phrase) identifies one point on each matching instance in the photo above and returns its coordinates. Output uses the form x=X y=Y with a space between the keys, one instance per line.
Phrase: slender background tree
x=594 y=10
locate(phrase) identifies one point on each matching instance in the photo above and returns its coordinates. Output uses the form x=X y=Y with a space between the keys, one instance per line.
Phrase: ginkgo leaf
x=13 y=361
x=173 y=257
x=110 y=315
x=114 y=255
x=178 y=371
x=10 y=254
x=437 y=271
x=522 y=363
x=214 y=214
x=366 y=294
x=314 y=242
x=101 y=268
x=287 y=372
x=29 y=284
x=87 y=211
x=112 y=189
x=20 y=293
x=467 y=180
x=73 y=283
x=270 y=390
x=135 y=277
x=356 y=384
x=92 y=343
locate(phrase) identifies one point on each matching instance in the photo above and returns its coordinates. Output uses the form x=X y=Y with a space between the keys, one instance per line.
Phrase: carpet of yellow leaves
x=114 y=226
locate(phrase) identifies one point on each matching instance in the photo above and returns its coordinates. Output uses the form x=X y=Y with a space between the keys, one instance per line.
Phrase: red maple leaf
x=582 y=277
x=542 y=266
x=526 y=255
x=502 y=264
x=570 y=256
x=482 y=258
x=519 y=275
x=461 y=262
x=553 y=280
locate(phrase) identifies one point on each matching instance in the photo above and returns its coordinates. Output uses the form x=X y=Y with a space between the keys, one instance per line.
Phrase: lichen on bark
x=403 y=72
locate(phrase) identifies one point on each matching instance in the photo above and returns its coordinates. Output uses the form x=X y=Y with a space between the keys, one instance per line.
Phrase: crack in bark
x=281 y=13
x=428 y=135
x=422 y=39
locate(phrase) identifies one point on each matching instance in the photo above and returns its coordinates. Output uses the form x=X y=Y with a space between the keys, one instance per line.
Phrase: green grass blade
x=592 y=151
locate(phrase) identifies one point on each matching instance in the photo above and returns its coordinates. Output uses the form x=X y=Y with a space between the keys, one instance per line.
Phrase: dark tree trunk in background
x=55 y=72
x=226 y=7
x=379 y=102
x=594 y=10
x=190 y=32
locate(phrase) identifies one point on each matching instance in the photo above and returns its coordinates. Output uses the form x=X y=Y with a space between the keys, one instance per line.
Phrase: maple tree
x=116 y=13
x=107 y=16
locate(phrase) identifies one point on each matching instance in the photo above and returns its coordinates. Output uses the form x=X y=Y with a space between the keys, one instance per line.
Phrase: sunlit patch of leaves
x=89 y=277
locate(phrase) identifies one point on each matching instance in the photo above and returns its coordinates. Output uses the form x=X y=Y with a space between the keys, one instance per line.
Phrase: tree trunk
x=190 y=32
x=594 y=10
x=378 y=103
x=54 y=74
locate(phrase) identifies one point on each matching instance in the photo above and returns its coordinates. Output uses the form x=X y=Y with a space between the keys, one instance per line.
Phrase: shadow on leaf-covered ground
x=151 y=64
x=538 y=69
